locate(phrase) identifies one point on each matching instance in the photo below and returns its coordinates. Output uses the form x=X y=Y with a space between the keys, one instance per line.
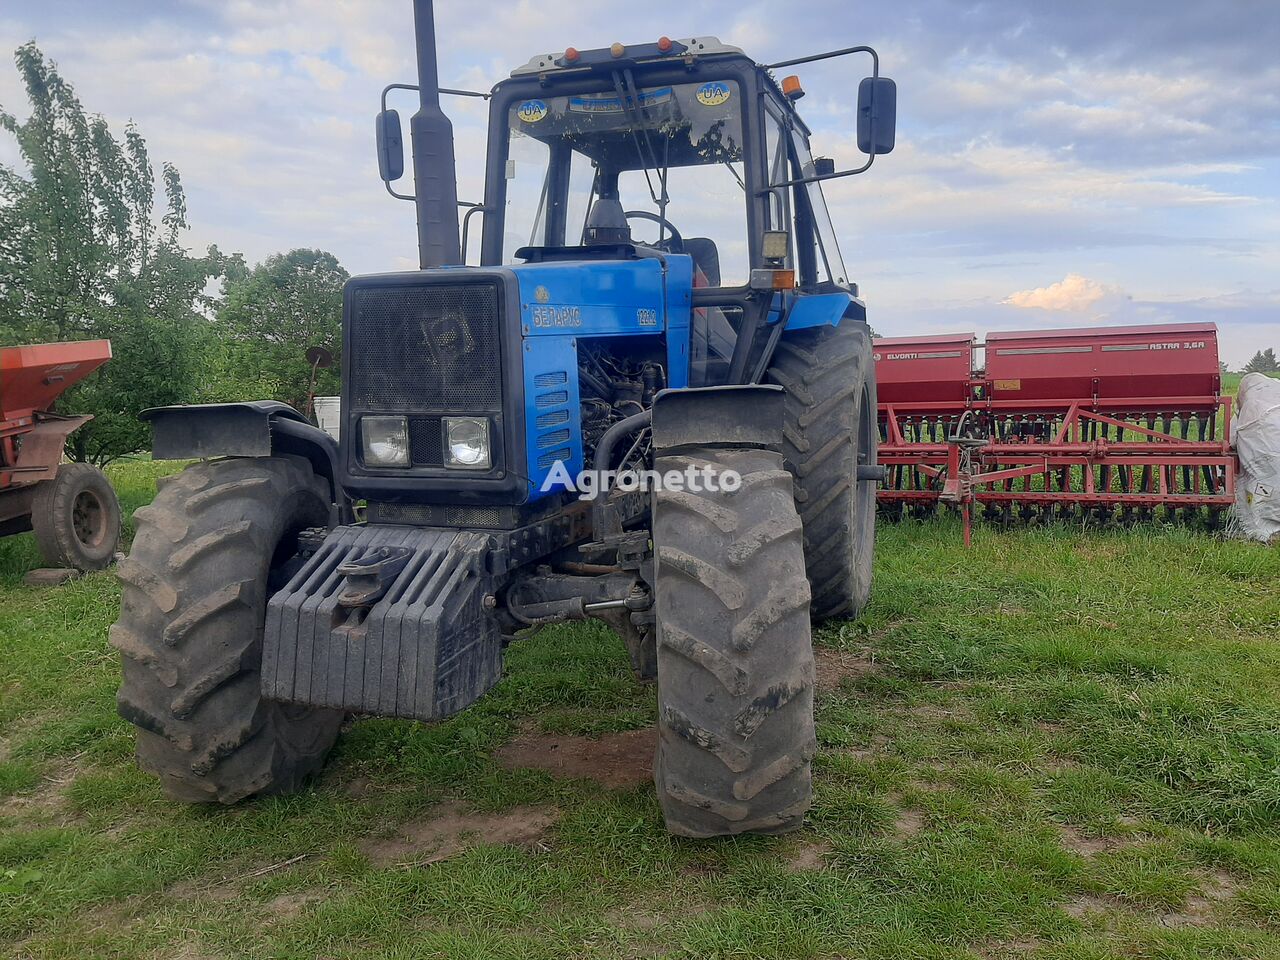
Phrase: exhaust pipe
x=434 y=171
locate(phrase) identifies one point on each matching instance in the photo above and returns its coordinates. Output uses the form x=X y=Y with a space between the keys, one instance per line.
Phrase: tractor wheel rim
x=88 y=519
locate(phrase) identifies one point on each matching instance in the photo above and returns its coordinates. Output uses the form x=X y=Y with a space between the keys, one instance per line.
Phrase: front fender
x=258 y=428
x=735 y=415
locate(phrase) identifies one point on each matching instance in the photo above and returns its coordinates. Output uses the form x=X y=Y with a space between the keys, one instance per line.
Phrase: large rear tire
x=735 y=656
x=830 y=382
x=210 y=550
x=76 y=518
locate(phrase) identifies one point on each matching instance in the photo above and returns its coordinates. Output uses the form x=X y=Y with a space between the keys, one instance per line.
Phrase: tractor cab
x=673 y=148
x=684 y=147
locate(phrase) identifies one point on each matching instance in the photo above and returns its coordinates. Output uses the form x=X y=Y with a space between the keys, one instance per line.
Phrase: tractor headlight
x=386 y=441
x=466 y=442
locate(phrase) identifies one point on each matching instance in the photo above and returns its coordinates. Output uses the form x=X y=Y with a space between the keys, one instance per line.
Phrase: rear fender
x=824 y=310
x=259 y=428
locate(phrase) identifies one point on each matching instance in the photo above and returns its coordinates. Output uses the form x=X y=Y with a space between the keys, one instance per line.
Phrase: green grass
x=1069 y=746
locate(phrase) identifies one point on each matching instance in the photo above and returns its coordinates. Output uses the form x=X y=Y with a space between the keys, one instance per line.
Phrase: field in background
x=1054 y=745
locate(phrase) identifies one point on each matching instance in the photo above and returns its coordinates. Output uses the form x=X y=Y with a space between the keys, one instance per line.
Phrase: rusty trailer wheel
x=76 y=518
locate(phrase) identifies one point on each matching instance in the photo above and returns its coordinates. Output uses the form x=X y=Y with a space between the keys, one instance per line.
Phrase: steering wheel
x=673 y=243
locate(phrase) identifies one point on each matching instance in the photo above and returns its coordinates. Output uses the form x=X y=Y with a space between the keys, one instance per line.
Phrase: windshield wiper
x=628 y=95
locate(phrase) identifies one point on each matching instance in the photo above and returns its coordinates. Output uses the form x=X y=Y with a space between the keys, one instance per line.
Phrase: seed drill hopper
x=1119 y=423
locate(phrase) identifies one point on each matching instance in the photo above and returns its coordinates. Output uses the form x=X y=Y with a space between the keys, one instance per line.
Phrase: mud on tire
x=208 y=552
x=829 y=379
x=735 y=661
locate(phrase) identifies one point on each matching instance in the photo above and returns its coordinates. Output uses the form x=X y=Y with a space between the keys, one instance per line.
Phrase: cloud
x=1138 y=142
x=1072 y=294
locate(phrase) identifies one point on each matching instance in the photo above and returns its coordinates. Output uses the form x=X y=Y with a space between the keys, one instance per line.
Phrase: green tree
x=268 y=318
x=1264 y=361
x=83 y=255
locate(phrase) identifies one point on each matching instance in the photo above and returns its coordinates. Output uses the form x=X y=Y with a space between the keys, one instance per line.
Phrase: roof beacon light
x=617 y=50
x=791 y=87
x=664 y=44
x=571 y=54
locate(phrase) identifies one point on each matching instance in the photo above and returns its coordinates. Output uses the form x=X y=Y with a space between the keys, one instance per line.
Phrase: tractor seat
x=706 y=258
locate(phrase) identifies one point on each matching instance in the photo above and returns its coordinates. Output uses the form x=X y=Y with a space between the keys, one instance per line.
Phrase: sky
x=1057 y=163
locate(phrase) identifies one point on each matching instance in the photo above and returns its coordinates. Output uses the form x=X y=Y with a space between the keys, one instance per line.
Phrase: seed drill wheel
x=76 y=518
x=829 y=378
x=735 y=655
x=217 y=541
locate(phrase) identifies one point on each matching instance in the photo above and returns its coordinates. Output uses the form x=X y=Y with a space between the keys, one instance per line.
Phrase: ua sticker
x=714 y=93
x=531 y=111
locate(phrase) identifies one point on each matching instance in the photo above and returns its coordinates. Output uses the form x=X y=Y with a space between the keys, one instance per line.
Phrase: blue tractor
x=650 y=402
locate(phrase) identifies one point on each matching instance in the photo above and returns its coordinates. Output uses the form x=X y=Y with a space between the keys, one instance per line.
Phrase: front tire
x=209 y=551
x=735 y=656
x=830 y=383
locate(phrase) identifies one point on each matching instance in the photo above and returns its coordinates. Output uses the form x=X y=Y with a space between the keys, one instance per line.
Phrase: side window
x=828 y=248
x=527 y=181
x=778 y=163
x=582 y=181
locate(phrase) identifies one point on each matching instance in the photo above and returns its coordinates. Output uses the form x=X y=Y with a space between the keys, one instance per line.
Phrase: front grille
x=430 y=348
x=426 y=442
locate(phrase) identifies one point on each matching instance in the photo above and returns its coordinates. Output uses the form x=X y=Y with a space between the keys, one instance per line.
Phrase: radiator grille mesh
x=428 y=348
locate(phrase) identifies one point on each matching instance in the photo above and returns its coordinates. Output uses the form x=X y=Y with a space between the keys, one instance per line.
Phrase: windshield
x=672 y=152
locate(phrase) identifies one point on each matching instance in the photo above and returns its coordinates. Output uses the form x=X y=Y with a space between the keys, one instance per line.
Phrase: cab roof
x=588 y=60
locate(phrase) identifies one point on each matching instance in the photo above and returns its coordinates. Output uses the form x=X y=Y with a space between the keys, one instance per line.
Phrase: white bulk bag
x=1257 y=443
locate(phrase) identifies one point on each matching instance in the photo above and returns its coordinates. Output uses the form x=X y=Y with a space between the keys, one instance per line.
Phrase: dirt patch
x=289 y=905
x=1089 y=846
x=1054 y=765
x=876 y=748
x=1083 y=906
x=361 y=787
x=452 y=829
x=614 y=760
x=909 y=822
x=49 y=793
x=836 y=666
x=809 y=856
x=1198 y=909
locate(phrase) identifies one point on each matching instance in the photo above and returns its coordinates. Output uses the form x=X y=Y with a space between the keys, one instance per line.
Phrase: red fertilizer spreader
x=1107 y=423
x=70 y=506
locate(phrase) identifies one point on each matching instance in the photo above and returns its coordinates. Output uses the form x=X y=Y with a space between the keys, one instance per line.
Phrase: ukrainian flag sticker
x=714 y=93
x=531 y=111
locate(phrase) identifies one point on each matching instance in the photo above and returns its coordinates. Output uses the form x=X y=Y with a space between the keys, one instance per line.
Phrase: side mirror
x=391 y=146
x=877 y=114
